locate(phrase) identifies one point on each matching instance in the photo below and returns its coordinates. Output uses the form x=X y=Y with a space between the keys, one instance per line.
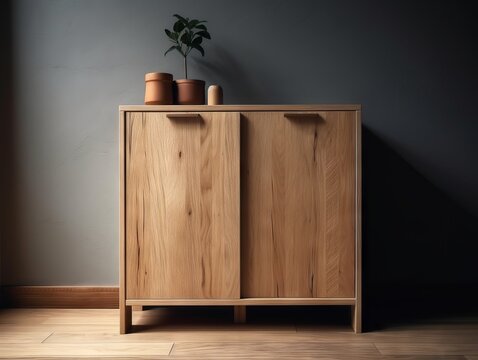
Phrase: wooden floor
x=185 y=333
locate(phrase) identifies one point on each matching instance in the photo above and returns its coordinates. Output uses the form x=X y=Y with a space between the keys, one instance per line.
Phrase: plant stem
x=186 y=66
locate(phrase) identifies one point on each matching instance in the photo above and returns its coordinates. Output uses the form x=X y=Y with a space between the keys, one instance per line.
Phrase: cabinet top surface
x=318 y=107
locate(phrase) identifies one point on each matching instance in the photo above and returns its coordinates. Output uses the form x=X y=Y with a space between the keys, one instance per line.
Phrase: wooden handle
x=301 y=115
x=183 y=115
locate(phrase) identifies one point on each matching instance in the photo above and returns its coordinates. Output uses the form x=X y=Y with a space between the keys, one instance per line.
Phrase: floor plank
x=58 y=327
x=261 y=349
x=59 y=316
x=9 y=351
x=422 y=357
x=182 y=333
x=22 y=316
x=155 y=334
x=395 y=336
x=426 y=349
x=24 y=337
x=328 y=357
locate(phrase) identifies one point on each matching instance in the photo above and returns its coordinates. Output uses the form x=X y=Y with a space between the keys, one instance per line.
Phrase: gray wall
x=412 y=65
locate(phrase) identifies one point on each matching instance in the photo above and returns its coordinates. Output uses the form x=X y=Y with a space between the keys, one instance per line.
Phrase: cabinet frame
x=126 y=304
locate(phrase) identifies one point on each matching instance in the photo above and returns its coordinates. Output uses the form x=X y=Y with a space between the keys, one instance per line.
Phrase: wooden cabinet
x=240 y=205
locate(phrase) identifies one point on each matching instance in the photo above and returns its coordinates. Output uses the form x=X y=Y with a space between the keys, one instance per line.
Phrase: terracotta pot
x=189 y=92
x=159 y=89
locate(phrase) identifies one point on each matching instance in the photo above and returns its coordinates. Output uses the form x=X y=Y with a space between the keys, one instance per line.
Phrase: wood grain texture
x=86 y=333
x=247 y=332
x=243 y=301
x=92 y=350
x=182 y=214
x=428 y=349
x=126 y=319
x=183 y=333
x=240 y=313
x=240 y=108
x=298 y=205
x=86 y=297
x=125 y=311
x=179 y=115
x=258 y=349
x=23 y=337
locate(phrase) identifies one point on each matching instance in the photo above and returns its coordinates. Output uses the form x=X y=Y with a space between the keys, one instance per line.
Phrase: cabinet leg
x=239 y=314
x=125 y=319
x=357 y=318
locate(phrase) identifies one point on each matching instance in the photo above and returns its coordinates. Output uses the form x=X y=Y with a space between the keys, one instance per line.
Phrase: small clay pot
x=189 y=92
x=159 y=89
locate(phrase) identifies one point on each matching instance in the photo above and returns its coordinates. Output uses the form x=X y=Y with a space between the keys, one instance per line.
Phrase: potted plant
x=187 y=35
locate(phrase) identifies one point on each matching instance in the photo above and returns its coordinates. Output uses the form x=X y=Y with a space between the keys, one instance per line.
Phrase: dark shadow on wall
x=420 y=247
x=7 y=136
x=239 y=83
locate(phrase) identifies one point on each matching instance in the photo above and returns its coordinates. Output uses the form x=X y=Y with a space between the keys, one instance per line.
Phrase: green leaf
x=193 y=23
x=196 y=41
x=179 y=17
x=179 y=26
x=185 y=38
x=171 y=35
x=204 y=34
x=199 y=25
x=174 y=47
x=199 y=48
x=184 y=34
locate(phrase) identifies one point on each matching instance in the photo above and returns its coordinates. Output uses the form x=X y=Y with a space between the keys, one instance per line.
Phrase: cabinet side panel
x=182 y=206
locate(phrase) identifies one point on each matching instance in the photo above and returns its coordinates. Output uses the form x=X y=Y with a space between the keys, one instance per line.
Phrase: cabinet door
x=182 y=205
x=298 y=204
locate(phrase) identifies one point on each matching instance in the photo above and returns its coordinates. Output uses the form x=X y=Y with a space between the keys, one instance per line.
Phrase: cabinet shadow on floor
x=217 y=317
